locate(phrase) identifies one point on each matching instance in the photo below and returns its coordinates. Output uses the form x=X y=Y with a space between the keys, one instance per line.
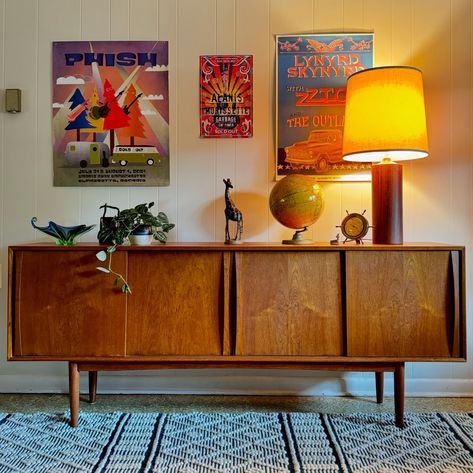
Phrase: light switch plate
x=13 y=100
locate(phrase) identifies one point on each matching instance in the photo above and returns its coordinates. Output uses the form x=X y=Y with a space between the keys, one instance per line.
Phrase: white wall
x=435 y=35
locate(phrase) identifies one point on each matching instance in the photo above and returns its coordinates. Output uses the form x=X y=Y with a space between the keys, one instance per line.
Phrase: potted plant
x=137 y=224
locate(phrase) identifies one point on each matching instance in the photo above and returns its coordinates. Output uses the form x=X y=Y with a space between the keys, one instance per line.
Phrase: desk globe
x=296 y=202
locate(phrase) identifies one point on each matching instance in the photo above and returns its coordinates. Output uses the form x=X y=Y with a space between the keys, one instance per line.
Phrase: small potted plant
x=136 y=225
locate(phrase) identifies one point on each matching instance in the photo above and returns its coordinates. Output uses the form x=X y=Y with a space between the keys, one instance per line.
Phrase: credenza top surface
x=245 y=246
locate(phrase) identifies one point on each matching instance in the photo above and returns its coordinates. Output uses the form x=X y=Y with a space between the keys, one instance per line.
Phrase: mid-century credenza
x=254 y=305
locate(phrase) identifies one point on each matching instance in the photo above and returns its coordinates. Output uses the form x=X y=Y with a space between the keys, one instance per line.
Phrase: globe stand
x=298 y=239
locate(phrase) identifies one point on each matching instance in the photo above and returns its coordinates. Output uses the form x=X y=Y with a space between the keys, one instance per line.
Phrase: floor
x=184 y=403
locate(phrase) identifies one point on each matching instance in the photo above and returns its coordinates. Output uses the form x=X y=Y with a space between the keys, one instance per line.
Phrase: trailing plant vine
x=117 y=229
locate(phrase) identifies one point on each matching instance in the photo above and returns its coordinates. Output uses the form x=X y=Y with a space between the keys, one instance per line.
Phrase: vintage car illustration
x=136 y=155
x=85 y=153
x=296 y=154
x=324 y=147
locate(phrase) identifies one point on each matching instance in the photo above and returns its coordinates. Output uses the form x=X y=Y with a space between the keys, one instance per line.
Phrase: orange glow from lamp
x=385 y=121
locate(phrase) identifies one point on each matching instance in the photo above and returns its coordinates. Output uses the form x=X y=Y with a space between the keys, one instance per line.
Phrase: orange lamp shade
x=385 y=115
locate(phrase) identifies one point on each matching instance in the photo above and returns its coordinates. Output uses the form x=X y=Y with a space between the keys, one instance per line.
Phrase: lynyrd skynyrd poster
x=226 y=96
x=310 y=102
x=110 y=113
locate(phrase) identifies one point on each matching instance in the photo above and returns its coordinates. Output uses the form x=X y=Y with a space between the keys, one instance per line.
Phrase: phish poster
x=110 y=113
x=311 y=83
x=226 y=96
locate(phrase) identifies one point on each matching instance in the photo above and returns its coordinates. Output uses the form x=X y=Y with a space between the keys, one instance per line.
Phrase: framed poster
x=110 y=113
x=310 y=98
x=226 y=96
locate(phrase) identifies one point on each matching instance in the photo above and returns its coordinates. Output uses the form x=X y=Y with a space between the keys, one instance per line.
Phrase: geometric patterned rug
x=236 y=443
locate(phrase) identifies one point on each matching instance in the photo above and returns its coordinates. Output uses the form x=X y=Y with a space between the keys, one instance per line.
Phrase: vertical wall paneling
x=377 y=17
x=252 y=154
x=434 y=35
x=143 y=19
x=3 y=119
x=225 y=148
x=167 y=31
x=3 y=273
x=95 y=20
x=119 y=20
x=461 y=124
x=61 y=204
x=21 y=130
x=353 y=15
x=431 y=186
x=328 y=16
x=196 y=165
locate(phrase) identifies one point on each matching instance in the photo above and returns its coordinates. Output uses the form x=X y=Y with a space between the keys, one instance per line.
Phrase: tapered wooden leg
x=92 y=386
x=399 y=394
x=74 y=387
x=379 y=386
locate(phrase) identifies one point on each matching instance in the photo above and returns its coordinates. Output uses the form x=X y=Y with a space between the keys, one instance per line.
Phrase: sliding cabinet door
x=176 y=303
x=288 y=303
x=403 y=303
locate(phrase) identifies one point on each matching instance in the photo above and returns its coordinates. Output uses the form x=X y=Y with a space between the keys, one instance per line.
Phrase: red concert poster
x=226 y=96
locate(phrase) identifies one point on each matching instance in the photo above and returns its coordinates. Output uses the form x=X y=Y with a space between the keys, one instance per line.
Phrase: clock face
x=354 y=226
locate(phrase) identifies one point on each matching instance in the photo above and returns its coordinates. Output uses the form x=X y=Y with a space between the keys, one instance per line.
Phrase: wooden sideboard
x=253 y=305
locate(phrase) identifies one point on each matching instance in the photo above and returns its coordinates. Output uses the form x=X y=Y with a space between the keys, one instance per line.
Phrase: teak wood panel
x=176 y=307
x=400 y=304
x=288 y=303
x=63 y=306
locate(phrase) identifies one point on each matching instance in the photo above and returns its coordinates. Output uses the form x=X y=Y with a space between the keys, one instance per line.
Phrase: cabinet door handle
x=227 y=342
x=455 y=278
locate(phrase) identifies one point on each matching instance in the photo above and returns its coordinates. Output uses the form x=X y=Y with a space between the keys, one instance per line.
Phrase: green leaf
x=163 y=217
x=115 y=283
x=160 y=236
x=104 y=270
x=111 y=249
x=168 y=226
x=101 y=255
x=126 y=288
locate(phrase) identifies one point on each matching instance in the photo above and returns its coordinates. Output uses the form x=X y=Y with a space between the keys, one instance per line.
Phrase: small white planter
x=140 y=239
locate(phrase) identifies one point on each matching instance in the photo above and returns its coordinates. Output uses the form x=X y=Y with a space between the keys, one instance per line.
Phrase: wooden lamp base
x=386 y=188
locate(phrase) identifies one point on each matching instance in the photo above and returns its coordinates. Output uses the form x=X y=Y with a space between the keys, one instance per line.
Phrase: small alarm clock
x=354 y=227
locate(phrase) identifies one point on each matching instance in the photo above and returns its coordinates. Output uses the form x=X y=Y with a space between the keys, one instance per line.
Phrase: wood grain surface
x=399 y=304
x=251 y=305
x=177 y=303
x=63 y=306
x=289 y=303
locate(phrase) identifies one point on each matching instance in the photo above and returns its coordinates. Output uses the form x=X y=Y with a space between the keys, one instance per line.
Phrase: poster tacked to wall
x=311 y=82
x=226 y=96
x=110 y=113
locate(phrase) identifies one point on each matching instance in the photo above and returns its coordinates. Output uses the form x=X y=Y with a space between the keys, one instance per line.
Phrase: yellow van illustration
x=136 y=155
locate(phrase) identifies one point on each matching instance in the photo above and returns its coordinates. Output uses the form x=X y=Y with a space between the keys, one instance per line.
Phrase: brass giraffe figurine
x=233 y=214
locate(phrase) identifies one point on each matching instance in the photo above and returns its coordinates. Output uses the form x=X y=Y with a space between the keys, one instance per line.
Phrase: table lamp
x=385 y=122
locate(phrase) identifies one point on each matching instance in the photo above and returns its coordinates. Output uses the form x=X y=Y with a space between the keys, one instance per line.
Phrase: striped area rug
x=246 y=443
